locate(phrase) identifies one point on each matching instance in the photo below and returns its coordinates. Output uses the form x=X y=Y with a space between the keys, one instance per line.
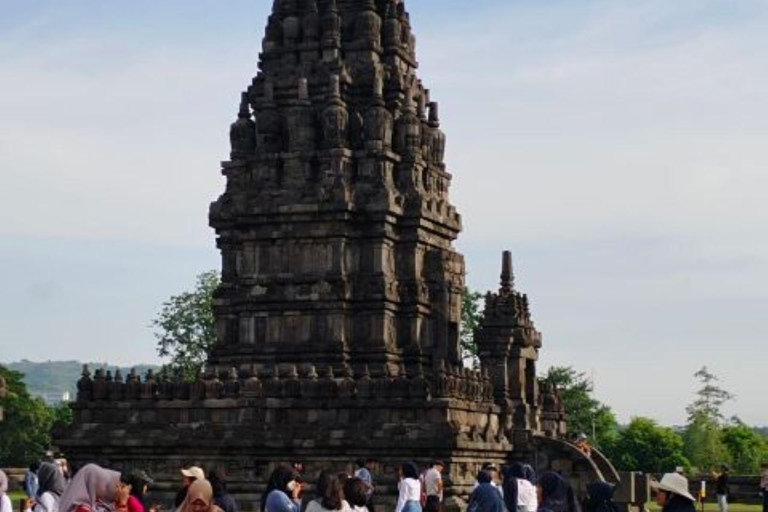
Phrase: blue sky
x=615 y=146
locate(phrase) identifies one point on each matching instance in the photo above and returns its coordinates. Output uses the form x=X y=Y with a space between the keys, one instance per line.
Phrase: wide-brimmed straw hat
x=674 y=483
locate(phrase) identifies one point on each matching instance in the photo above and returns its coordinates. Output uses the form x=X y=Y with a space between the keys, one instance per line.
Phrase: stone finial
x=312 y=373
x=276 y=372
x=434 y=114
x=150 y=376
x=334 y=89
x=303 y=89
x=507 y=275
x=421 y=106
x=118 y=375
x=109 y=377
x=86 y=373
x=232 y=375
x=329 y=373
x=378 y=88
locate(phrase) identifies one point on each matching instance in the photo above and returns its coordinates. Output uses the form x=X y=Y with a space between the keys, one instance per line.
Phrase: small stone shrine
x=338 y=314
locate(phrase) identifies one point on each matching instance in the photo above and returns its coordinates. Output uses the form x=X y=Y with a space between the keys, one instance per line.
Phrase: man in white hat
x=673 y=495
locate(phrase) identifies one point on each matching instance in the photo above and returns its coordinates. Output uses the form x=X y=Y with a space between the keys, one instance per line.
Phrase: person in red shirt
x=137 y=482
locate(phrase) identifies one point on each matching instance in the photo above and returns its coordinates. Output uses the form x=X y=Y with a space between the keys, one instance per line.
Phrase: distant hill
x=52 y=379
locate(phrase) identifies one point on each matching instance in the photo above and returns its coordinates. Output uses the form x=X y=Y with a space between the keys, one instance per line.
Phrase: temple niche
x=338 y=314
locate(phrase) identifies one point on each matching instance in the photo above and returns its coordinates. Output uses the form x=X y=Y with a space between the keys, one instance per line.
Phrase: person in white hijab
x=5 y=501
x=92 y=489
x=49 y=490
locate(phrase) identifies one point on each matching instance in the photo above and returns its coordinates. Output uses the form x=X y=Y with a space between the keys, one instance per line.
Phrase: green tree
x=185 y=327
x=703 y=434
x=710 y=397
x=745 y=447
x=585 y=413
x=704 y=444
x=470 y=321
x=25 y=432
x=645 y=446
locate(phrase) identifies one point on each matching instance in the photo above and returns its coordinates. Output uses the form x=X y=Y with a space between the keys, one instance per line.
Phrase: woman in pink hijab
x=92 y=489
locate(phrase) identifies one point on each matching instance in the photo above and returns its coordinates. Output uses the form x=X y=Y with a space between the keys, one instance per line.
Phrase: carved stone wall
x=335 y=227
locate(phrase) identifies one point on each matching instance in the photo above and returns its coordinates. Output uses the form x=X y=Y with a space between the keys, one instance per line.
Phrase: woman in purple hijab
x=93 y=489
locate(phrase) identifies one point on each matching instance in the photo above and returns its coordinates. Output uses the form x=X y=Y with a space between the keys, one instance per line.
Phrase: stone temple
x=338 y=314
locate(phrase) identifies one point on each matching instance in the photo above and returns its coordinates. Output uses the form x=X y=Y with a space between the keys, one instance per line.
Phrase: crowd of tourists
x=513 y=488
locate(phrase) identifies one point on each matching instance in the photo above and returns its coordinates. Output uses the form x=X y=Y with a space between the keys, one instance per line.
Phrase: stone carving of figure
x=242 y=133
x=335 y=118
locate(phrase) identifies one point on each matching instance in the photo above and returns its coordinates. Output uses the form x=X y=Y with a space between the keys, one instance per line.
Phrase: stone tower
x=338 y=314
x=335 y=228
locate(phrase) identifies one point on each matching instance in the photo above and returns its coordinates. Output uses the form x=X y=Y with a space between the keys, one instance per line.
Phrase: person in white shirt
x=50 y=488
x=433 y=485
x=409 y=489
x=5 y=501
x=519 y=494
x=330 y=495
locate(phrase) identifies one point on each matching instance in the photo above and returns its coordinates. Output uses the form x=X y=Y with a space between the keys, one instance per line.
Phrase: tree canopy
x=185 y=327
x=470 y=321
x=643 y=445
x=25 y=432
x=586 y=414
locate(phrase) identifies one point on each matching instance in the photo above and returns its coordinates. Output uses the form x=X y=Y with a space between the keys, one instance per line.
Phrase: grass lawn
x=15 y=497
x=712 y=507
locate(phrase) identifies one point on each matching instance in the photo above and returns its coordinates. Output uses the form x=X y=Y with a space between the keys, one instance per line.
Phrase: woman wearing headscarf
x=552 y=493
x=330 y=494
x=221 y=498
x=92 y=489
x=408 y=489
x=672 y=494
x=519 y=494
x=5 y=501
x=486 y=496
x=199 y=498
x=49 y=490
x=282 y=493
x=600 y=497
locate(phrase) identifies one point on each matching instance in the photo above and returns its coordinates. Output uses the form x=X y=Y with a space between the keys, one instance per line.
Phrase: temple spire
x=507 y=274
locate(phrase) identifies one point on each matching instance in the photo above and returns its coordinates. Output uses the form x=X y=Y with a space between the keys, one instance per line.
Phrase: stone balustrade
x=288 y=382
